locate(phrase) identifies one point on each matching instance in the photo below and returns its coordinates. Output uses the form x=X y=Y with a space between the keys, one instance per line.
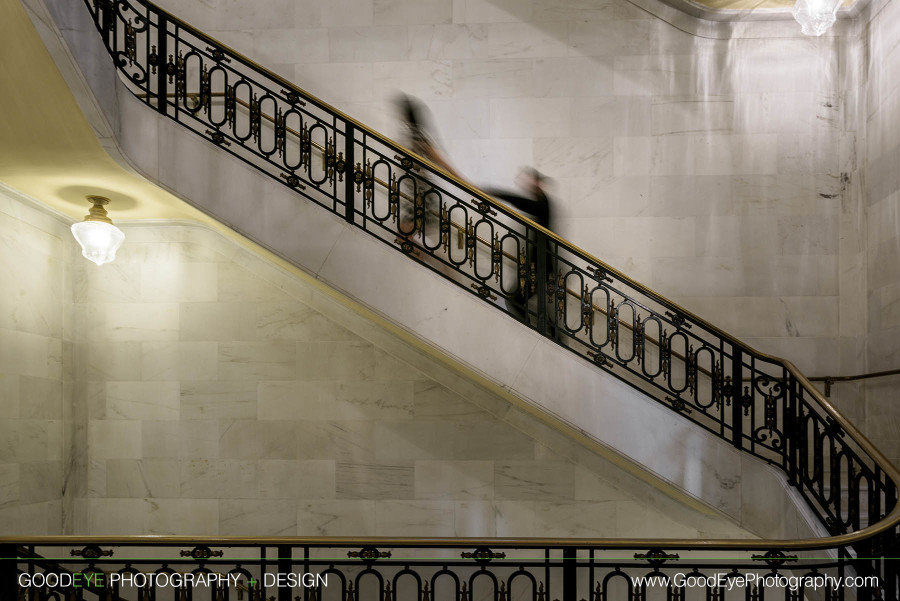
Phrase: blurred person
x=535 y=201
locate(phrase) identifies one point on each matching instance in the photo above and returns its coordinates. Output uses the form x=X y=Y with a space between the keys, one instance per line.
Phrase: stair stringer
x=537 y=376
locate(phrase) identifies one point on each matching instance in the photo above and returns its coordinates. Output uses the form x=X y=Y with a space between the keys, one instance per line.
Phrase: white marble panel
x=188 y=438
x=295 y=321
x=252 y=360
x=443 y=480
x=109 y=361
x=337 y=82
x=310 y=479
x=414 y=518
x=534 y=480
x=9 y=484
x=39 y=398
x=492 y=78
x=357 y=44
x=573 y=77
x=373 y=481
x=219 y=400
x=141 y=321
x=691 y=115
x=274 y=46
x=185 y=361
x=530 y=117
x=336 y=518
x=222 y=321
x=392 y=12
x=142 y=400
x=579 y=157
x=334 y=360
x=498 y=11
x=142 y=478
x=173 y=282
x=30 y=355
x=218 y=479
x=448 y=41
x=526 y=40
x=246 y=439
x=425 y=79
x=114 y=439
x=339 y=14
x=187 y=517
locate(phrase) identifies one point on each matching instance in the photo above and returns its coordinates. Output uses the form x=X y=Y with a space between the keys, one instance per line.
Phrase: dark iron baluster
x=737 y=418
x=349 y=184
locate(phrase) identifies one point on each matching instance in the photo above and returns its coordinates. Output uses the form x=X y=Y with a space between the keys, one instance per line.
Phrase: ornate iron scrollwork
x=484 y=292
x=293 y=181
x=679 y=404
x=218 y=54
x=369 y=554
x=657 y=557
x=202 y=553
x=482 y=555
x=90 y=552
x=774 y=558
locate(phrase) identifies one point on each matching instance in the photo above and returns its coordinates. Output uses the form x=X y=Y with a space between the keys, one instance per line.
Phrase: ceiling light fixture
x=816 y=16
x=98 y=237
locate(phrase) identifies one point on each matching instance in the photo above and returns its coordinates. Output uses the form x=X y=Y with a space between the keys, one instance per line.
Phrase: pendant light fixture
x=816 y=16
x=98 y=237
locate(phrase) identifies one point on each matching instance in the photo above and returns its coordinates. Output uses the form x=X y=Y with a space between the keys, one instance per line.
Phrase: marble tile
x=425 y=79
x=534 y=480
x=174 y=282
x=309 y=479
x=295 y=321
x=573 y=77
x=272 y=46
x=369 y=481
x=252 y=360
x=406 y=518
x=339 y=360
x=339 y=14
x=219 y=400
x=188 y=438
x=225 y=322
x=342 y=441
x=188 y=517
x=525 y=40
x=404 y=440
x=40 y=481
x=245 y=439
x=217 y=479
x=432 y=401
x=530 y=117
x=393 y=12
x=10 y=485
x=114 y=439
x=336 y=518
x=454 y=480
x=142 y=478
x=579 y=157
x=491 y=440
x=356 y=44
x=141 y=321
x=499 y=78
x=474 y=519
x=498 y=11
x=184 y=361
x=448 y=41
x=337 y=82
x=142 y=400
x=39 y=398
x=111 y=361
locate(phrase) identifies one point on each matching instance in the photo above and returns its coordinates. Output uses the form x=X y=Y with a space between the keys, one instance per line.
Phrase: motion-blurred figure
x=534 y=202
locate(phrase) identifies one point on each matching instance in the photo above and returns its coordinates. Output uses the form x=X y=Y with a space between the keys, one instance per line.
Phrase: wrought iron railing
x=422 y=570
x=762 y=405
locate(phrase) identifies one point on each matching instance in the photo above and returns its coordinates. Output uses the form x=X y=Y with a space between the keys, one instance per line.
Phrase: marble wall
x=219 y=402
x=35 y=250
x=882 y=209
x=709 y=169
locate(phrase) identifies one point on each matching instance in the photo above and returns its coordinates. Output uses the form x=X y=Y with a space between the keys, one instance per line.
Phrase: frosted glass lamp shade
x=816 y=16
x=99 y=241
